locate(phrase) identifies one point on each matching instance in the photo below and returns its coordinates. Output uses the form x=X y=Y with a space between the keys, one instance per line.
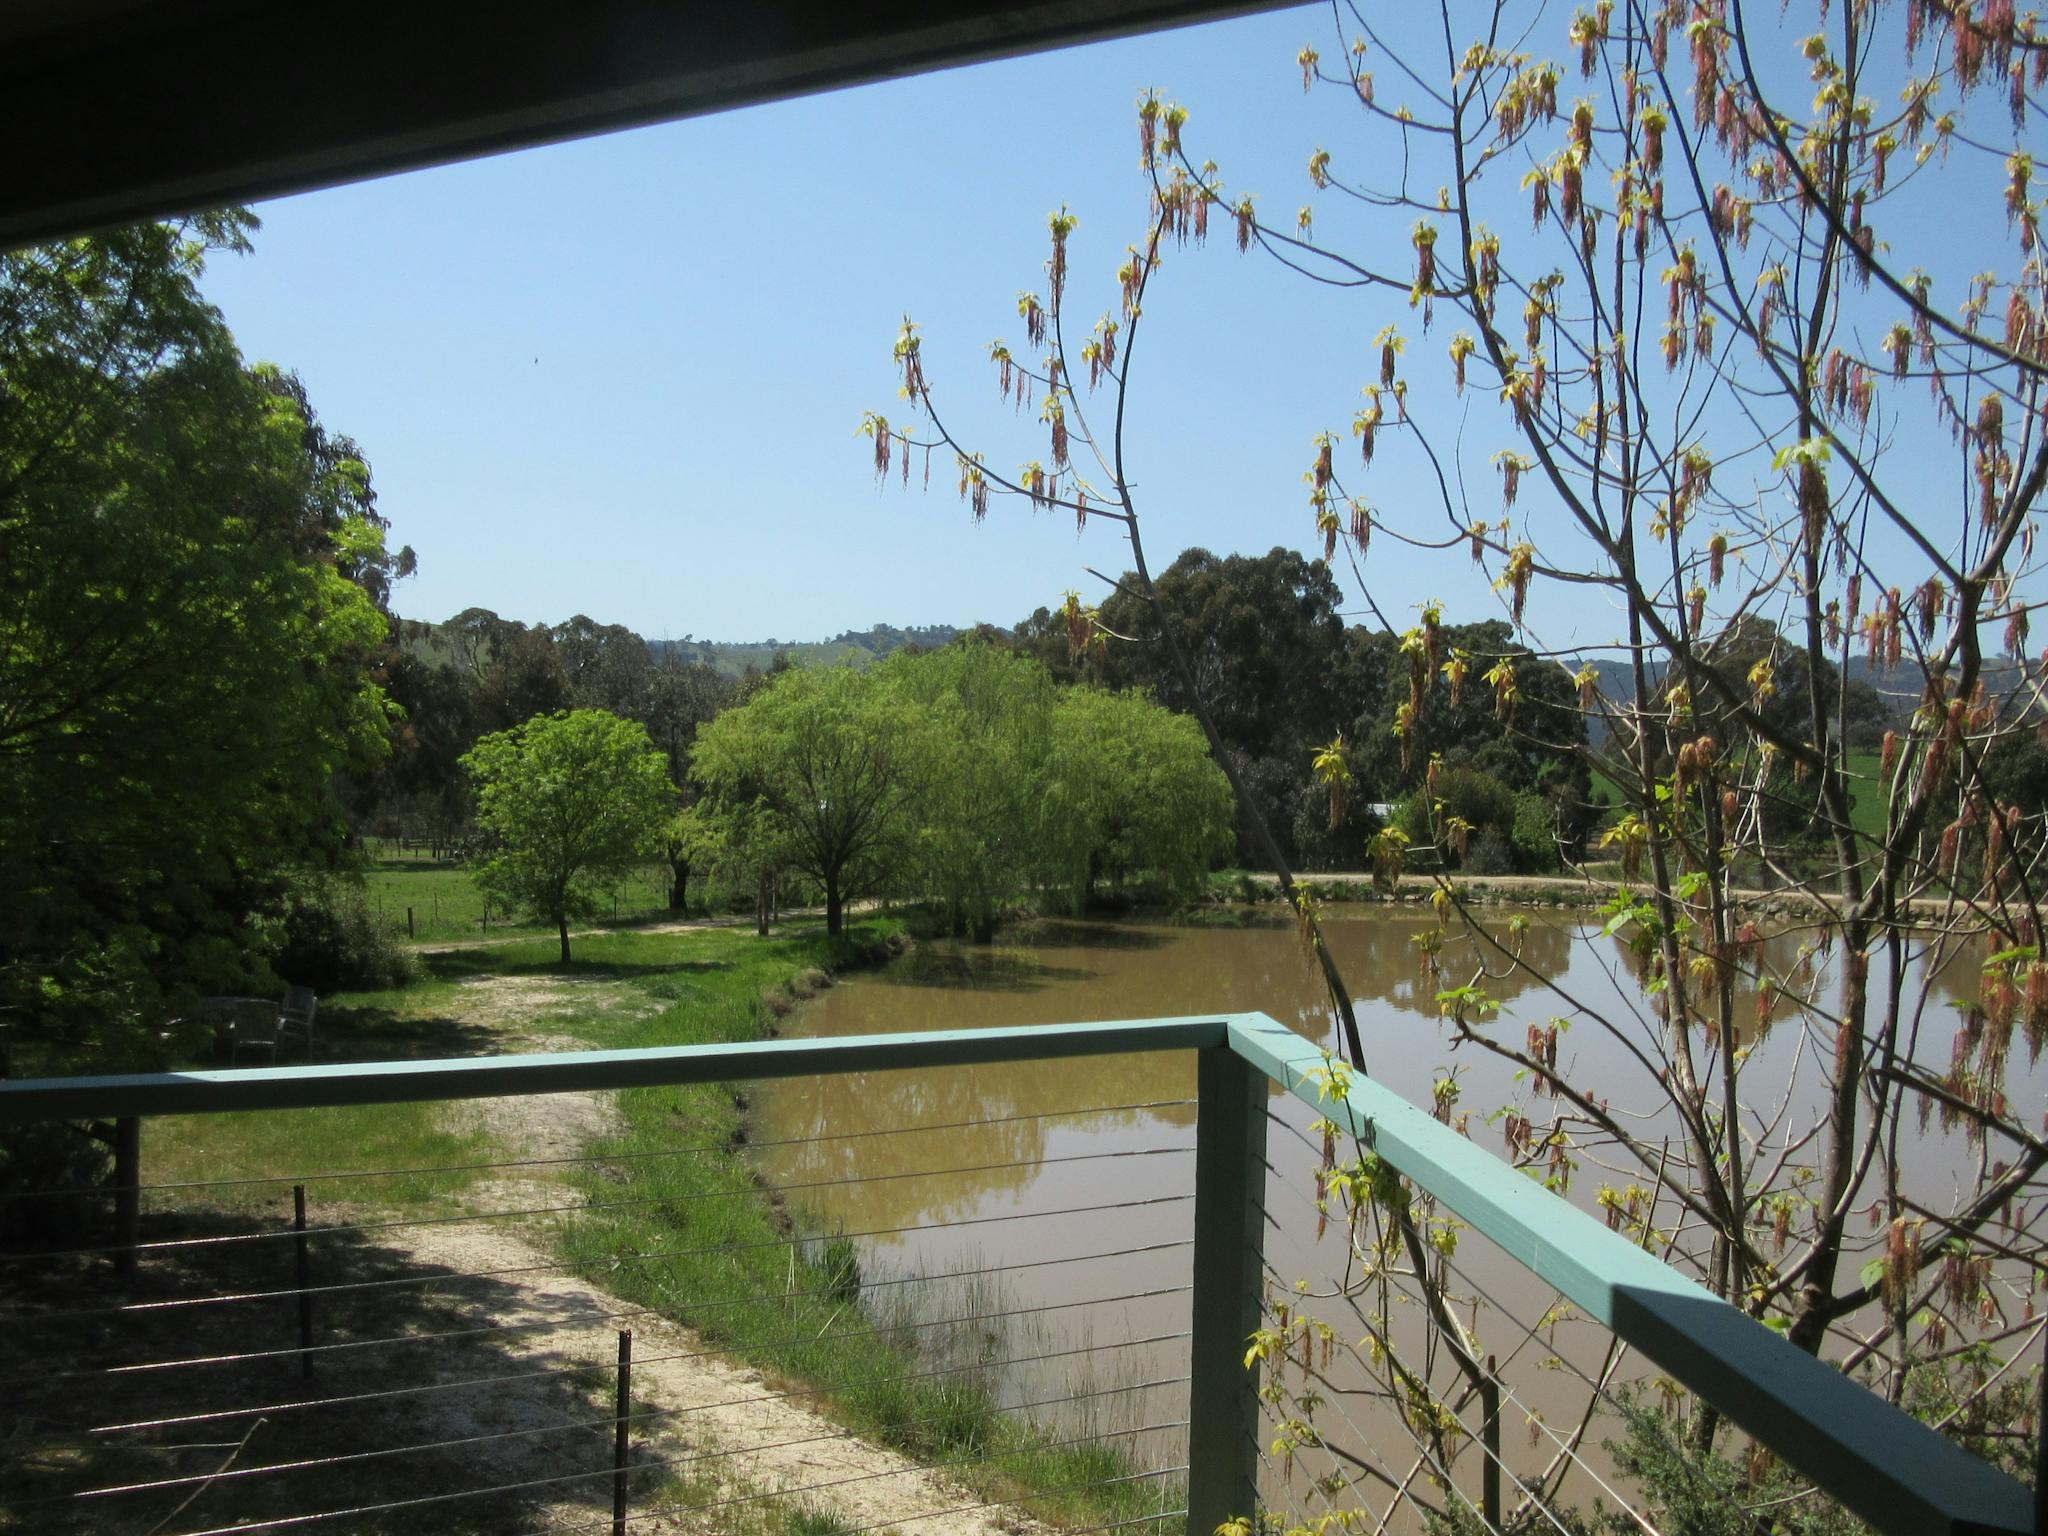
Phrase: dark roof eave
x=154 y=109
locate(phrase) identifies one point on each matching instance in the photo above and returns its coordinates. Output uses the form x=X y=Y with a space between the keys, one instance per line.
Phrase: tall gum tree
x=1739 y=320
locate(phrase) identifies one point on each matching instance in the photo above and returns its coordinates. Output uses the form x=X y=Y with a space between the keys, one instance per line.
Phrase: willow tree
x=1738 y=322
x=822 y=761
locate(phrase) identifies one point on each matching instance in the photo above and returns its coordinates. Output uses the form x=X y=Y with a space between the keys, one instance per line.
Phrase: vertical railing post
x=622 y=1435
x=1223 y=1409
x=128 y=1193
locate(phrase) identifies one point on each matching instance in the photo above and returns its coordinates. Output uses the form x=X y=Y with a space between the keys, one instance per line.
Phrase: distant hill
x=1899 y=690
x=441 y=643
x=857 y=647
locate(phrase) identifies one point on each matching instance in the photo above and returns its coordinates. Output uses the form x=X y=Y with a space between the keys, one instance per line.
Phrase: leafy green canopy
x=965 y=778
x=1128 y=787
x=572 y=802
x=822 y=761
x=190 y=575
x=984 y=732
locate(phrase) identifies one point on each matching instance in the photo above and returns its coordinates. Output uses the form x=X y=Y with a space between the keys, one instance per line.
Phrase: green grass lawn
x=1868 y=792
x=447 y=907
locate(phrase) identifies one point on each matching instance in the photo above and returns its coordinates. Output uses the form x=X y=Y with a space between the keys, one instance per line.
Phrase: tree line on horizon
x=1283 y=671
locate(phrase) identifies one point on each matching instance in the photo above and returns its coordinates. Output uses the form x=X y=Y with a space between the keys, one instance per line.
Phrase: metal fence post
x=1223 y=1409
x=128 y=1193
x=622 y=1440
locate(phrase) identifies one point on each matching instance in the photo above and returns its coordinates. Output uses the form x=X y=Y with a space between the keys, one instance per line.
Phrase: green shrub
x=1534 y=843
x=332 y=942
x=1489 y=853
x=59 y=1157
x=1479 y=800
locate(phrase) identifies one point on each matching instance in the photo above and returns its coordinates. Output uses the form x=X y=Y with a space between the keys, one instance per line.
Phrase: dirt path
x=730 y=1434
x=666 y=925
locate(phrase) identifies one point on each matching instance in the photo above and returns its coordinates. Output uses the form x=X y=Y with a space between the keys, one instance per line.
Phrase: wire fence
x=634 y=1340
x=1437 y=1386
x=963 y=1322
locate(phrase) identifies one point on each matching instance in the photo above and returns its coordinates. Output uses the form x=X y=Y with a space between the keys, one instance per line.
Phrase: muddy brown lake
x=1071 y=1177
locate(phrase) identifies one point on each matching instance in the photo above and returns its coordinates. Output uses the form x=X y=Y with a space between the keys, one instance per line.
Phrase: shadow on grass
x=467 y=965
x=371 y=1033
x=237 y=1429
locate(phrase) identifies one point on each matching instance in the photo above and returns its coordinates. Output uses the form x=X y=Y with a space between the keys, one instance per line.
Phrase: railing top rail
x=469 y=1077
x=1880 y=1462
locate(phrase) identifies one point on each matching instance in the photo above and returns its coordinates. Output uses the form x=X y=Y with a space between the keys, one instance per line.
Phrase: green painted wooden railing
x=1887 y=1467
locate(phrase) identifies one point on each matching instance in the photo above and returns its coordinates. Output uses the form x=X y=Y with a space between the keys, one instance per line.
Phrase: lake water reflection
x=1003 y=1166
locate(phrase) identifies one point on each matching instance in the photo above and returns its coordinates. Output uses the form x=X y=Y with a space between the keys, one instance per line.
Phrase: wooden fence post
x=305 y=1264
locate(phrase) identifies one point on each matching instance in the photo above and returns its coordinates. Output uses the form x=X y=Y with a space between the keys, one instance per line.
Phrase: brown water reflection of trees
x=998 y=1123
x=1004 y=1121
x=990 y=1130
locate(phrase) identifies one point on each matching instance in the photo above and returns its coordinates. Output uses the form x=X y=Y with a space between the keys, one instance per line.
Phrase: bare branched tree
x=1741 y=321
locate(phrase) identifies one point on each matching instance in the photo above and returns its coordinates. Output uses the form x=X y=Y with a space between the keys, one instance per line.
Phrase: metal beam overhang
x=145 y=109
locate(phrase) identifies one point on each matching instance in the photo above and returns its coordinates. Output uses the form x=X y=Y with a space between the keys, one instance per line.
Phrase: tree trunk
x=835 y=908
x=761 y=907
x=679 y=886
x=562 y=927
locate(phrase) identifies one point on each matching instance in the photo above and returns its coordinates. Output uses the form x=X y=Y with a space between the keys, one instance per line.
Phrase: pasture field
x=447 y=908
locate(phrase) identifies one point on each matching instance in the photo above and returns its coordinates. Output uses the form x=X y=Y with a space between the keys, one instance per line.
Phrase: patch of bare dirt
x=535 y=1126
x=515 y=1004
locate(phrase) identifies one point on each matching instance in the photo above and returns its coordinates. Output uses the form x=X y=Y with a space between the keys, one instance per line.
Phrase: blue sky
x=623 y=376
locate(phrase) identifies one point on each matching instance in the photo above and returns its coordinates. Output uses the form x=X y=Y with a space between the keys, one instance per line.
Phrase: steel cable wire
x=936 y=1514
x=691 y=1308
x=577 y=1320
x=610 y=1421
x=291 y=1521
x=1392 y=1391
x=293 y=1292
x=595 y=1367
x=186 y=1244
x=103 y=1190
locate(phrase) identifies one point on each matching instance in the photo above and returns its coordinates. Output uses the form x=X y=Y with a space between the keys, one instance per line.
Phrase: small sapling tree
x=572 y=802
